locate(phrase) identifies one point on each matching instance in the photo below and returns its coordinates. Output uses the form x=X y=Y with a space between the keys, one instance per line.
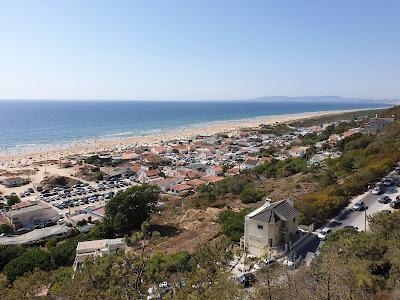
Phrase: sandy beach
x=25 y=157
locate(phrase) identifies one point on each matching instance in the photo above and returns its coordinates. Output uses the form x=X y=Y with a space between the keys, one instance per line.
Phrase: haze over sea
x=25 y=124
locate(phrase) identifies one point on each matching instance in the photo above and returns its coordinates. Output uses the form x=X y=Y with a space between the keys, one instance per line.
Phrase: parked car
x=49 y=223
x=384 y=199
x=389 y=181
x=359 y=206
x=377 y=190
x=395 y=204
x=386 y=212
x=351 y=227
x=323 y=233
x=23 y=230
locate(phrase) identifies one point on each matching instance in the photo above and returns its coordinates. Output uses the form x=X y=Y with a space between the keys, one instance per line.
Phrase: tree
x=27 y=262
x=9 y=252
x=5 y=228
x=12 y=199
x=128 y=210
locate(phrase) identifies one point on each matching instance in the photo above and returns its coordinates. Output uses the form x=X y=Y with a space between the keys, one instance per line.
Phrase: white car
x=322 y=234
x=377 y=191
x=359 y=206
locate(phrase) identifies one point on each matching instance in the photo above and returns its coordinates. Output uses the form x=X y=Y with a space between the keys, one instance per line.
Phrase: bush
x=207 y=192
x=282 y=168
x=99 y=175
x=233 y=184
x=251 y=195
x=160 y=266
x=233 y=223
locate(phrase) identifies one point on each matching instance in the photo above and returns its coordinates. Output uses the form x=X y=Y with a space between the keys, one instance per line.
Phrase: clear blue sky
x=198 y=49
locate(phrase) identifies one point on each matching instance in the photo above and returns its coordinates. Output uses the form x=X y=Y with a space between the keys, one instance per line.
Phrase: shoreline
x=88 y=146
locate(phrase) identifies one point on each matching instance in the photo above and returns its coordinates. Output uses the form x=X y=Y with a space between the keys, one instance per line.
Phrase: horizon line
x=260 y=99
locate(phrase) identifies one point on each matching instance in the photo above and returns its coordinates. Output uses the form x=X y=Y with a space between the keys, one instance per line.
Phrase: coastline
x=54 y=152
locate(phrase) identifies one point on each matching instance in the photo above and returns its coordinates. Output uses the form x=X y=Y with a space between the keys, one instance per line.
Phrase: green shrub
x=233 y=223
x=251 y=195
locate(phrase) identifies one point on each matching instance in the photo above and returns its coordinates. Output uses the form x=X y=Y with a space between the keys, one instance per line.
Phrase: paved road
x=35 y=235
x=349 y=217
x=358 y=218
x=309 y=244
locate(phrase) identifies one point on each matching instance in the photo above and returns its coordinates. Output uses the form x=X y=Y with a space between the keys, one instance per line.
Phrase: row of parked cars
x=27 y=193
x=85 y=200
x=77 y=190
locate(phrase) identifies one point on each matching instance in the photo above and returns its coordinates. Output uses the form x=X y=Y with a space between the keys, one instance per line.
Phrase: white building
x=29 y=216
x=97 y=248
x=298 y=151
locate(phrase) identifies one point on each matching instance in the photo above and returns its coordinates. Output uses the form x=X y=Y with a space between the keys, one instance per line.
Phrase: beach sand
x=27 y=157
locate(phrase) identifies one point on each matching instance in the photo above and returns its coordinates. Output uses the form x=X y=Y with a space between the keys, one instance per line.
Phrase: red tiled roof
x=212 y=178
x=181 y=187
x=151 y=172
x=195 y=182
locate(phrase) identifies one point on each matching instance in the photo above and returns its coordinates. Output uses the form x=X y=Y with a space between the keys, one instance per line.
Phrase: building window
x=260 y=226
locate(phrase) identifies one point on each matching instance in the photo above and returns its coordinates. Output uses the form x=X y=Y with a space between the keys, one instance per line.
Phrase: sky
x=190 y=50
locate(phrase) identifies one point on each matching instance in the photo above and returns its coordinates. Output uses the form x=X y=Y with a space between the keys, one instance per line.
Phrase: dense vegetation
x=128 y=277
x=124 y=213
x=128 y=210
x=282 y=168
x=365 y=160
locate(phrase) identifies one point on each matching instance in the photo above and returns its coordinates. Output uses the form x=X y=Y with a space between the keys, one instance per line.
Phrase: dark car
x=395 y=204
x=23 y=230
x=351 y=227
x=49 y=223
x=38 y=226
x=384 y=199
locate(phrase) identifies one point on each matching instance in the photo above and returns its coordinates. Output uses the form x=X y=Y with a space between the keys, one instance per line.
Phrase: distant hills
x=321 y=99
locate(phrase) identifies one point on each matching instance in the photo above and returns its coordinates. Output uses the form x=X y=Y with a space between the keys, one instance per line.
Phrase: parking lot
x=80 y=196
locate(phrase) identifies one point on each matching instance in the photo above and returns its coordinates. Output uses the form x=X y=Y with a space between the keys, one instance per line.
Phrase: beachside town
x=47 y=199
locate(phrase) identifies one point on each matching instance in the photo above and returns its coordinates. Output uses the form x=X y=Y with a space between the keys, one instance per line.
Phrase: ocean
x=32 y=123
